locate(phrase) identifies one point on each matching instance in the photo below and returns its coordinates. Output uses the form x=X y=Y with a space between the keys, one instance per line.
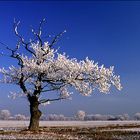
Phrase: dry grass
x=110 y=132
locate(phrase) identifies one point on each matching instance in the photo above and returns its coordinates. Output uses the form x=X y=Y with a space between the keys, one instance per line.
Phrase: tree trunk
x=35 y=114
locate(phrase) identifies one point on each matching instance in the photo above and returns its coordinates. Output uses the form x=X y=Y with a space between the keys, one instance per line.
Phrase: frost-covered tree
x=41 y=69
x=5 y=114
x=55 y=117
x=137 y=116
x=122 y=117
x=80 y=115
x=20 y=117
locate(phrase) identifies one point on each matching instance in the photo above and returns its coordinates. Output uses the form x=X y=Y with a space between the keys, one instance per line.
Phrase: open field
x=74 y=130
x=8 y=123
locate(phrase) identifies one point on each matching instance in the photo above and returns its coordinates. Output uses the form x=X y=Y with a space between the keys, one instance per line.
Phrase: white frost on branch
x=60 y=72
x=64 y=93
x=46 y=103
x=14 y=95
x=80 y=115
x=4 y=114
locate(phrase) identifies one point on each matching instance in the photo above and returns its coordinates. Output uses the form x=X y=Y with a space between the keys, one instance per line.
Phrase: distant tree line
x=79 y=116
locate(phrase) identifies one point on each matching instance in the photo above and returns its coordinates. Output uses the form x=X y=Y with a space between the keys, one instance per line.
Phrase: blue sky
x=107 y=32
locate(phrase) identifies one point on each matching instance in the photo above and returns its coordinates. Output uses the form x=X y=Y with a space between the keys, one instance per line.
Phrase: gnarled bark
x=35 y=113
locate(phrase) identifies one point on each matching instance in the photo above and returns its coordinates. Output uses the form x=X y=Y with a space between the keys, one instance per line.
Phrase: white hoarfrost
x=80 y=115
x=20 y=117
x=137 y=116
x=59 y=72
x=5 y=114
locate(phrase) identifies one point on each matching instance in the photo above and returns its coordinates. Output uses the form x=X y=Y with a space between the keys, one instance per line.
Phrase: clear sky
x=107 y=32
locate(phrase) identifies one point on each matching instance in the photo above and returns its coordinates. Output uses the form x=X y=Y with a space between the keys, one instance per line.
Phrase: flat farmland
x=9 y=123
x=74 y=130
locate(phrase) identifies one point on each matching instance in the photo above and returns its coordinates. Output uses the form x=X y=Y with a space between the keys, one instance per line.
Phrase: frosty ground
x=74 y=130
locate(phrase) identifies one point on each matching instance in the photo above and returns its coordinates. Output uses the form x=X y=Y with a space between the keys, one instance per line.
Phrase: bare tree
x=41 y=69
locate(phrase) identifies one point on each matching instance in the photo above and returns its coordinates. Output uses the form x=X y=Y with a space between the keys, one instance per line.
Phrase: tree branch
x=21 y=39
x=50 y=100
x=56 y=38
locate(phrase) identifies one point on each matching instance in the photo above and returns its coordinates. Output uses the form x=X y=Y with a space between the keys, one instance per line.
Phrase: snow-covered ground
x=77 y=130
x=66 y=123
